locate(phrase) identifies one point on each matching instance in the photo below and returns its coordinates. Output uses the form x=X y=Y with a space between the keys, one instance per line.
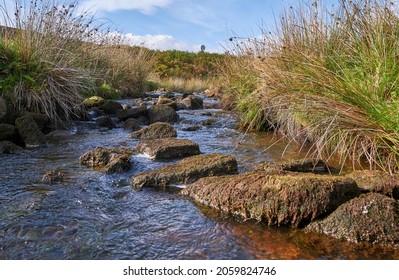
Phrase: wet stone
x=187 y=171
x=155 y=131
x=168 y=148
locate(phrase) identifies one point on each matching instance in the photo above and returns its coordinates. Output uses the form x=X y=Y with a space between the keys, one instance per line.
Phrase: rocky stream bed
x=168 y=177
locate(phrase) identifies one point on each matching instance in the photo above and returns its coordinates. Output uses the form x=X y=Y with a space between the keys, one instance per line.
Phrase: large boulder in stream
x=30 y=132
x=168 y=148
x=162 y=113
x=292 y=199
x=372 y=218
x=111 y=107
x=156 y=130
x=192 y=102
x=108 y=160
x=187 y=171
x=376 y=181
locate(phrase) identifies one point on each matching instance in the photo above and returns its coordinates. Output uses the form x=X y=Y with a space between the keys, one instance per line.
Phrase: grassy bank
x=327 y=75
x=53 y=56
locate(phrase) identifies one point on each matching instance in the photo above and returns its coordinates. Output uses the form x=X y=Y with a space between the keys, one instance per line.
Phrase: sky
x=186 y=24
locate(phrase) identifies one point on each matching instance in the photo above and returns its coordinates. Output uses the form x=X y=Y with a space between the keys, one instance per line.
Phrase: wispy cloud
x=159 y=42
x=146 y=7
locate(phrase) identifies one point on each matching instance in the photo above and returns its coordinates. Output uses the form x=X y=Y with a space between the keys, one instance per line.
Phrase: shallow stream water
x=96 y=216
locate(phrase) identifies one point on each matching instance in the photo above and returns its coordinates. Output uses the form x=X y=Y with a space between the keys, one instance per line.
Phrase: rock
x=97 y=112
x=162 y=100
x=193 y=102
x=7 y=147
x=187 y=171
x=132 y=124
x=7 y=131
x=109 y=160
x=372 y=218
x=191 y=128
x=306 y=165
x=377 y=181
x=155 y=131
x=32 y=136
x=162 y=113
x=94 y=101
x=106 y=122
x=213 y=92
x=209 y=121
x=40 y=119
x=111 y=107
x=53 y=176
x=168 y=148
x=3 y=109
x=292 y=199
x=123 y=115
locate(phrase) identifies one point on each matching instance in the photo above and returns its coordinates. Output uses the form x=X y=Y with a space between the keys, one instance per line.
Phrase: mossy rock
x=94 y=101
x=30 y=132
x=111 y=107
x=377 y=181
x=108 y=160
x=168 y=148
x=156 y=130
x=371 y=218
x=305 y=165
x=281 y=199
x=162 y=113
x=40 y=119
x=187 y=171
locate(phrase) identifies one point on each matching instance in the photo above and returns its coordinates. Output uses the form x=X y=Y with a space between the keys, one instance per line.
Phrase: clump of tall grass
x=329 y=76
x=182 y=85
x=52 y=54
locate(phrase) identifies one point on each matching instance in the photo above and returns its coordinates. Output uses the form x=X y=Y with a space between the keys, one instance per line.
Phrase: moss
x=291 y=199
x=372 y=218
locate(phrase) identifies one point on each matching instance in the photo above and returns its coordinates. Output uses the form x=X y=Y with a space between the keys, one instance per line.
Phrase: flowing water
x=96 y=216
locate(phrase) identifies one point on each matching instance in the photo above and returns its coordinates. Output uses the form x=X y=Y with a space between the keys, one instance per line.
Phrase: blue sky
x=187 y=24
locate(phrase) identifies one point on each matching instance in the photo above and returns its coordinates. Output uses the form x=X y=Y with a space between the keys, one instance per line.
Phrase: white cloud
x=158 y=42
x=146 y=7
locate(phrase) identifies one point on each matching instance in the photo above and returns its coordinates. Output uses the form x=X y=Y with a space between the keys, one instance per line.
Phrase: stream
x=92 y=215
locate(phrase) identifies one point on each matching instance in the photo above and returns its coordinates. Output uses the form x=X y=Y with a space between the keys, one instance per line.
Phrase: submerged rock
x=168 y=148
x=291 y=199
x=7 y=147
x=53 y=176
x=187 y=171
x=377 y=181
x=372 y=218
x=306 y=165
x=162 y=113
x=32 y=136
x=156 y=130
x=109 y=160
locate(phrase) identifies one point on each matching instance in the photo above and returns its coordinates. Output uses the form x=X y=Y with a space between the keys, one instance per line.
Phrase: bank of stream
x=91 y=215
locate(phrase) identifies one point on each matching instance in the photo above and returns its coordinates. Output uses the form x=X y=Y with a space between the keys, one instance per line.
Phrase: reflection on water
x=96 y=216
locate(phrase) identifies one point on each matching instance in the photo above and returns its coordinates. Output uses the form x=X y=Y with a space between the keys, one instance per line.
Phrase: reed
x=329 y=76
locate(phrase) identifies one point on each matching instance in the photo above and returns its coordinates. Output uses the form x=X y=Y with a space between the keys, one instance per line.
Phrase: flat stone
x=377 y=181
x=372 y=218
x=292 y=199
x=306 y=166
x=187 y=171
x=168 y=148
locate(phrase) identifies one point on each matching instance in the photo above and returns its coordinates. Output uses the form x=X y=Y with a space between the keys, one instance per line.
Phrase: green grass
x=52 y=54
x=329 y=76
